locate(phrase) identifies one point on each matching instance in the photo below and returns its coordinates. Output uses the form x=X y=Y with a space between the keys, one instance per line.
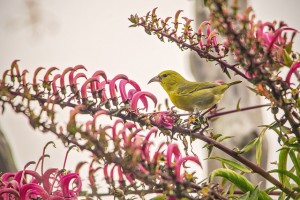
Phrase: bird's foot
x=208 y=110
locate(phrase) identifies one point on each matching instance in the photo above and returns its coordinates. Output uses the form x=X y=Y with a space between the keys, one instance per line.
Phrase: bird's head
x=168 y=79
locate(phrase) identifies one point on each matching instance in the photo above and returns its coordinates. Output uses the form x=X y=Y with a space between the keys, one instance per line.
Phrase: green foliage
x=239 y=181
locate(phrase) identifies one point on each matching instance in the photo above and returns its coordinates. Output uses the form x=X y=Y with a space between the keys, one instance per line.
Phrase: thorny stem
x=178 y=129
x=99 y=152
x=236 y=156
x=235 y=110
x=231 y=33
x=201 y=53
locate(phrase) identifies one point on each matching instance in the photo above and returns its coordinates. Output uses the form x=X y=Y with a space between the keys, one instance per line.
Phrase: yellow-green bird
x=191 y=96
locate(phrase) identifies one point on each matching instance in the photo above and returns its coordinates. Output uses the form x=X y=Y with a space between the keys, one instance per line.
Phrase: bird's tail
x=234 y=82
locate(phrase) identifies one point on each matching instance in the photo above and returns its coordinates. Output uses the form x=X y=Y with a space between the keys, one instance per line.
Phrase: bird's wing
x=191 y=87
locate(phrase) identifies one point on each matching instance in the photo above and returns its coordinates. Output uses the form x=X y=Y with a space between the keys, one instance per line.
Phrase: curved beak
x=155 y=79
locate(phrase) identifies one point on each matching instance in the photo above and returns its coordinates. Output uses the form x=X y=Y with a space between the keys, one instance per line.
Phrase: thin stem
x=236 y=110
x=238 y=157
x=200 y=52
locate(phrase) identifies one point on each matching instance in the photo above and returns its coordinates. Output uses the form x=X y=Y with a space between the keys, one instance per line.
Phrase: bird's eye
x=164 y=75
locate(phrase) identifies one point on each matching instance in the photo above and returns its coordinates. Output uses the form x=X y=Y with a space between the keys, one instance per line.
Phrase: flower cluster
x=130 y=152
x=261 y=48
x=29 y=184
x=180 y=31
x=103 y=90
x=124 y=147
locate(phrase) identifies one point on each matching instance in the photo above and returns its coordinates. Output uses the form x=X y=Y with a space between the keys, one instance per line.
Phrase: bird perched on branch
x=191 y=96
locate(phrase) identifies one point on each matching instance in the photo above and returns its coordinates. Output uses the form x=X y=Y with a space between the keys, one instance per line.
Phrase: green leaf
x=133 y=25
x=224 y=138
x=282 y=164
x=238 y=180
x=286 y=58
x=148 y=32
x=287 y=173
x=258 y=153
x=249 y=146
x=295 y=162
x=227 y=72
x=238 y=104
x=232 y=164
x=254 y=194
x=245 y=196
x=253 y=90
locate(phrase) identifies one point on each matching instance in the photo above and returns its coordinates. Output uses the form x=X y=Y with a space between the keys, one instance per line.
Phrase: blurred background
x=95 y=33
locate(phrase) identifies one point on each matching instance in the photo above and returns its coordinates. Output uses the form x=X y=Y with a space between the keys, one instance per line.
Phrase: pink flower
x=273 y=38
x=292 y=70
x=164 y=119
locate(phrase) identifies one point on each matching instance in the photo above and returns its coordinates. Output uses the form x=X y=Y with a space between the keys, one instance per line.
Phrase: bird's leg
x=208 y=110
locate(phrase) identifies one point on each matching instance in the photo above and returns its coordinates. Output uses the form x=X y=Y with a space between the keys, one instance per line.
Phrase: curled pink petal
x=177 y=16
x=54 y=87
x=180 y=162
x=93 y=85
x=127 y=125
x=62 y=78
x=98 y=113
x=142 y=169
x=120 y=174
x=30 y=190
x=211 y=37
x=84 y=86
x=65 y=185
x=112 y=173
x=4 y=75
x=131 y=92
x=172 y=150
x=9 y=191
x=87 y=125
x=130 y=136
x=153 y=129
x=7 y=176
x=101 y=89
x=146 y=151
x=71 y=74
x=47 y=177
x=125 y=96
x=129 y=178
x=112 y=87
x=157 y=153
x=105 y=171
x=292 y=70
x=277 y=33
x=77 y=67
x=14 y=65
x=114 y=128
x=24 y=72
x=34 y=81
x=77 y=76
x=201 y=26
x=79 y=165
x=137 y=96
x=20 y=176
x=48 y=73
